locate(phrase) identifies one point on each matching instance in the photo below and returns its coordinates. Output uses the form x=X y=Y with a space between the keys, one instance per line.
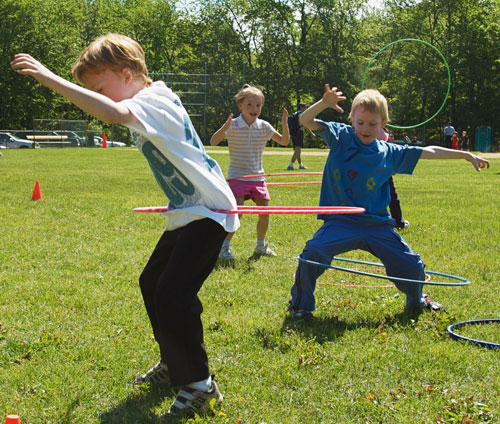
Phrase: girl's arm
x=330 y=98
x=93 y=103
x=221 y=132
x=436 y=152
x=282 y=139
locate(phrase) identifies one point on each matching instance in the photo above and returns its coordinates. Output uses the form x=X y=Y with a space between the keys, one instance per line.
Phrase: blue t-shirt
x=357 y=174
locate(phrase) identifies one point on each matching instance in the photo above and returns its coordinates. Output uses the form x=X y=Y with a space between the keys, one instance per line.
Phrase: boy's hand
x=26 y=65
x=332 y=97
x=478 y=162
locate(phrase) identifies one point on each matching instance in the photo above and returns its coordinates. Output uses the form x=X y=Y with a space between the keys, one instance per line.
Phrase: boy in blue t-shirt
x=356 y=174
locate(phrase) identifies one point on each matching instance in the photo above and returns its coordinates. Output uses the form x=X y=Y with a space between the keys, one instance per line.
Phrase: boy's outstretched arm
x=220 y=134
x=436 y=152
x=283 y=139
x=330 y=98
x=89 y=101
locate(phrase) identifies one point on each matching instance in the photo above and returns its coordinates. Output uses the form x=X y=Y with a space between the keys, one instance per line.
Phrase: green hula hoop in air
x=447 y=70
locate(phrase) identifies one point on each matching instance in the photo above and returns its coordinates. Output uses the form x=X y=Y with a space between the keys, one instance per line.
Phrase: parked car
x=72 y=137
x=48 y=138
x=409 y=142
x=12 y=142
x=109 y=143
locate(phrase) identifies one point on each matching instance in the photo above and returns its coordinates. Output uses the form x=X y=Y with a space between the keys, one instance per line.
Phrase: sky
x=375 y=3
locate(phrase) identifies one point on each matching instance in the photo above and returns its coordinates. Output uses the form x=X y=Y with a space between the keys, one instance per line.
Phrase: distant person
x=448 y=134
x=117 y=89
x=465 y=142
x=247 y=136
x=297 y=135
x=455 y=144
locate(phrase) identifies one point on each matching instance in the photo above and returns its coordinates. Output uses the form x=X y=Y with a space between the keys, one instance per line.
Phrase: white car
x=109 y=143
x=10 y=141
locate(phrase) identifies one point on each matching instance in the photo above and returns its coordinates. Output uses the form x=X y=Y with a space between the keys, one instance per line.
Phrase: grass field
x=74 y=333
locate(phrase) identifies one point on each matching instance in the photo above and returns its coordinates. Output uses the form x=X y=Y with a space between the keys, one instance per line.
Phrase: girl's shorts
x=250 y=189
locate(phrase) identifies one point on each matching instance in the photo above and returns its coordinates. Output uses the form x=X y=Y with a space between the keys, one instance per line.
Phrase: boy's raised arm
x=330 y=98
x=89 y=101
x=436 y=152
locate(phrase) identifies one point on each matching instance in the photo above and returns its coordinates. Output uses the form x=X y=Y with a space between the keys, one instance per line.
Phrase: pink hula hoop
x=279 y=174
x=294 y=183
x=268 y=210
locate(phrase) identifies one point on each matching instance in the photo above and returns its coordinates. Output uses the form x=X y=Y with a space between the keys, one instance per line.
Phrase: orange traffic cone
x=104 y=144
x=37 y=194
x=12 y=419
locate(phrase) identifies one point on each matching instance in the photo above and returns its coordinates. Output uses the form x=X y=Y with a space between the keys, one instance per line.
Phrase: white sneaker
x=191 y=401
x=226 y=254
x=302 y=166
x=156 y=375
x=263 y=250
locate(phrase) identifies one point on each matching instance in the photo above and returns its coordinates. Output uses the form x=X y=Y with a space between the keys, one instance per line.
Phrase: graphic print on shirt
x=336 y=186
x=193 y=138
x=174 y=184
x=349 y=192
x=370 y=183
x=352 y=174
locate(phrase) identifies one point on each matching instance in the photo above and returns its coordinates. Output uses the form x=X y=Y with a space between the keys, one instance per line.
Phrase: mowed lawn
x=74 y=332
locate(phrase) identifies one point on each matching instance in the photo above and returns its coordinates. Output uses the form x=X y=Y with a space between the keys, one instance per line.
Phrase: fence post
x=205 y=104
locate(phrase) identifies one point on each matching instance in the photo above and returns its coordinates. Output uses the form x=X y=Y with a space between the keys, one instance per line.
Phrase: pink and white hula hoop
x=271 y=210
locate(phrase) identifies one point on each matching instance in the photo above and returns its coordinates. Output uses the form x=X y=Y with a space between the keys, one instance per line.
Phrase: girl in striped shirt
x=247 y=136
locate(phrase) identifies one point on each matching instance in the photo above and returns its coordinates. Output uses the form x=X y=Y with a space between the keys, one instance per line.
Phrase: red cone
x=104 y=144
x=37 y=193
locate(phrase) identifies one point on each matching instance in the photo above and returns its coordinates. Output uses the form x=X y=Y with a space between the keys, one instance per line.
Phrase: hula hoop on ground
x=363 y=286
x=462 y=281
x=270 y=210
x=447 y=70
x=482 y=343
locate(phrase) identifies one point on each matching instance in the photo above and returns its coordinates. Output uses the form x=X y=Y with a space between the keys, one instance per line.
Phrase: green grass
x=74 y=332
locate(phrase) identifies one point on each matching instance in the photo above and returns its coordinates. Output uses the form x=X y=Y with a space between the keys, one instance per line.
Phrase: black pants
x=175 y=272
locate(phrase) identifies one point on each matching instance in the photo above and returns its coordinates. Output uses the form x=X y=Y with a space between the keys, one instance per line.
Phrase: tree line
x=289 y=48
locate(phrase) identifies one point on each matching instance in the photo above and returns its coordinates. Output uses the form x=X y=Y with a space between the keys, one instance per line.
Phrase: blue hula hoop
x=482 y=343
x=461 y=281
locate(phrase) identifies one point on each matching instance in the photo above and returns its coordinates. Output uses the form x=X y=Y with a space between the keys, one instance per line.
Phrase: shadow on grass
x=138 y=407
x=246 y=265
x=331 y=328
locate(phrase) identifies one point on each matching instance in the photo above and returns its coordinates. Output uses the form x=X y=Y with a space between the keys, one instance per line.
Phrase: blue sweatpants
x=342 y=235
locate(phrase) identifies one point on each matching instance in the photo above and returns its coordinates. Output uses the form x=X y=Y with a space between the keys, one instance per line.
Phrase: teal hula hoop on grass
x=482 y=343
x=447 y=70
x=460 y=281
